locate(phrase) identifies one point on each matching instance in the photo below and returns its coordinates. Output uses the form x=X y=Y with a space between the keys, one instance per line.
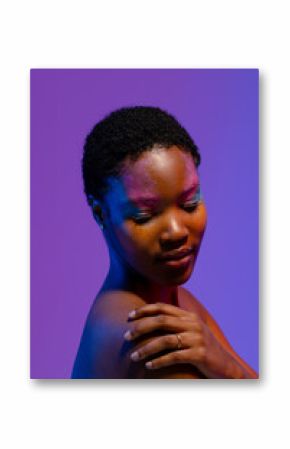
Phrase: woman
x=141 y=181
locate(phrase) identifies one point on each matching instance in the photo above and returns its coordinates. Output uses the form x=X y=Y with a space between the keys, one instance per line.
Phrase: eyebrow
x=191 y=189
x=151 y=201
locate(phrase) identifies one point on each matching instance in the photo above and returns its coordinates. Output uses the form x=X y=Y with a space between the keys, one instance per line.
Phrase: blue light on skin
x=138 y=214
x=83 y=367
x=121 y=210
x=170 y=218
x=169 y=178
x=129 y=209
x=117 y=193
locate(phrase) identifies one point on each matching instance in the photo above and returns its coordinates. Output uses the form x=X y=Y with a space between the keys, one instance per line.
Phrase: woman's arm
x=105 y=354
x=191 y=337
x=238 y=368
x=108 y=355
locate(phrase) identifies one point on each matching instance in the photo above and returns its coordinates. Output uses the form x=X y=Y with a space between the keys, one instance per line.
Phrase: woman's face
x=155 y=219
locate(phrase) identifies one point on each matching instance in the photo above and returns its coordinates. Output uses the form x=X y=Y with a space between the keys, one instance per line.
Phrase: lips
x=178 y=255
x=177 y=259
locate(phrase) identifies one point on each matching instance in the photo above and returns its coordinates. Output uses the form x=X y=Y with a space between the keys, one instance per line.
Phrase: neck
x=123 y=277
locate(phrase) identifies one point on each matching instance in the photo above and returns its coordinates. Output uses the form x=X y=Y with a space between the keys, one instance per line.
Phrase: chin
x=179 y=280
x=175 y=278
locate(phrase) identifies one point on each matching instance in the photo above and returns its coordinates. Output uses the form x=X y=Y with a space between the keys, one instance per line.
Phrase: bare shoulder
x=114 y=306
x=103 y=351
x=201 y=310
x=190 y=303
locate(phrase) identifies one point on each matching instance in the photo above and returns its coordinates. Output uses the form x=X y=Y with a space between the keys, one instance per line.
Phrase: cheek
x=133 y=239
x=198 y=222
x=201 y=219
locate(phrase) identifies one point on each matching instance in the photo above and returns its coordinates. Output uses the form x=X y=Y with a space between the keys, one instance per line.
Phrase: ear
x=97 y=210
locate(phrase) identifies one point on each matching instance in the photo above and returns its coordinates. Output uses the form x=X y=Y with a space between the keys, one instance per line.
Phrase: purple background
x=69 y=258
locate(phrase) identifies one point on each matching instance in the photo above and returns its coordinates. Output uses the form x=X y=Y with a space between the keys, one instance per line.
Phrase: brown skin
x=138 y=280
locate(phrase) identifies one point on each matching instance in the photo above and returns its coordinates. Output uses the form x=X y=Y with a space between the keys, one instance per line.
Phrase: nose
x=174 y=233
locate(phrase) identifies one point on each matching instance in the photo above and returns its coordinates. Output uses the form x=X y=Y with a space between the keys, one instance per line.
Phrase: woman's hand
x=186 y=336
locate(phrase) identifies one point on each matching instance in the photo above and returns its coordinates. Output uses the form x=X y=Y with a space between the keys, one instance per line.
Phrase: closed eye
x=190 y=206
x=141 y=218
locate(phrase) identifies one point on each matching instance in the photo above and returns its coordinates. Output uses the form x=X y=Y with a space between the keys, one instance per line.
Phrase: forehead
x=160 y=173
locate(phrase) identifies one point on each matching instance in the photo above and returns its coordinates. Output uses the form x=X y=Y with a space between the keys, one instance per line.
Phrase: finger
x=157 y=345
x=157 y=308
x=159 y=322
x=173 y=358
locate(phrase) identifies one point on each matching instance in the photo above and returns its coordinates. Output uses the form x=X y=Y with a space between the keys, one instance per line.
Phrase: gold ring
x=179 y=344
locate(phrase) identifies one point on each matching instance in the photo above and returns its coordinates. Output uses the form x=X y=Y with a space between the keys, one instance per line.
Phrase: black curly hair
x=126 y=133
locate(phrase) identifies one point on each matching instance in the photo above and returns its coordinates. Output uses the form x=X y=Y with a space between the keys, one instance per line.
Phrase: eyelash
x=142 y=218
x=191 y=206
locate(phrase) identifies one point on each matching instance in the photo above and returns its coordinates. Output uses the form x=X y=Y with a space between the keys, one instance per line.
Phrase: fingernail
x=135 y=356
x=132 y=314
x=149 y=365
x=128 y=335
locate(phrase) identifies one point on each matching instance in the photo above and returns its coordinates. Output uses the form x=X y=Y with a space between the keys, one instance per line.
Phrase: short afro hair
x=127 y=133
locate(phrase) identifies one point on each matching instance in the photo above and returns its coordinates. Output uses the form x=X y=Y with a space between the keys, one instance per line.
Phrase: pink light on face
x=153 y=190
x=189 y=192
x=147 y=182
x=152 y=202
